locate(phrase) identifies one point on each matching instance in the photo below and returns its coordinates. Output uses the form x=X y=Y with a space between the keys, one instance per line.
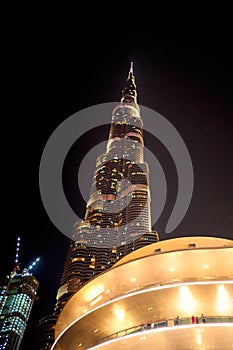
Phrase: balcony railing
x=165 y=323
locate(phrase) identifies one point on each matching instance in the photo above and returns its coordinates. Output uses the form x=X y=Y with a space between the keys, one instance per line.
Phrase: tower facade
x=16 y=301
x=118 y=218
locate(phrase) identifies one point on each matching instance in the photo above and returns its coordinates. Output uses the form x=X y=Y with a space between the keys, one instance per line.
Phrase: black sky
x=183 y=69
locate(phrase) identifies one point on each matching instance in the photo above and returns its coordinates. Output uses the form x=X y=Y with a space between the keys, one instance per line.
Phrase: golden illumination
x=199 y=339
x=223 y=300
x=93 y=302
x=94 y=292
x=120 y=314
x=78 y=259
x=187 y=303
x=205 y=266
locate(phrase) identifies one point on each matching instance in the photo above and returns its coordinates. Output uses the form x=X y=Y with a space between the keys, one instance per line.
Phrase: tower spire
x=131 y=68
x=129 y=93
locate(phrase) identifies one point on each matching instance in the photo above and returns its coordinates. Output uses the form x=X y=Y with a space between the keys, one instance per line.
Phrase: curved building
x=136 y=302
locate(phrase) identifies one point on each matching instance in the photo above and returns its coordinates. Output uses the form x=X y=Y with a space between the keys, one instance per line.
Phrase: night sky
x=53 y=69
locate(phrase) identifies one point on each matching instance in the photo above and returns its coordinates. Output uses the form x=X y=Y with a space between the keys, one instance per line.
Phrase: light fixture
x=120 y=314
x=205 y=266
x=94 y=292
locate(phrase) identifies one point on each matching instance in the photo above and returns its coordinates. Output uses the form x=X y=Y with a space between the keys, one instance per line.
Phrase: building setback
x=118 y=217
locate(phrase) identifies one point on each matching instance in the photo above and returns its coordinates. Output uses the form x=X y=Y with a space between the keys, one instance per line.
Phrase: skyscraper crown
x=129 y=93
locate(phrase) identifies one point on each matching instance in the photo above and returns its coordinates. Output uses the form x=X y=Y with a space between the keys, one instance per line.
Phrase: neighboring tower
x=44 y=333
x=118 y=217
x=16 y=301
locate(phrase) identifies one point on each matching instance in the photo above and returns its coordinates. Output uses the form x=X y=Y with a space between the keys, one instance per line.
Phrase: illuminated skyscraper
x=16 y=301
x=118 y=217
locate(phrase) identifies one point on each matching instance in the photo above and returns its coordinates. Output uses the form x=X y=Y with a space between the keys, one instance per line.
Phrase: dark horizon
x=183 y=72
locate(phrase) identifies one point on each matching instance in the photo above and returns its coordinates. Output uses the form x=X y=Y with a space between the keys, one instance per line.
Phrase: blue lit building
x=16 y=300
x=16 y=303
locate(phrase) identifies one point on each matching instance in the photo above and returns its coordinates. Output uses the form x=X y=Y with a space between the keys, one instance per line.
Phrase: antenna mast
x=30 y=267
x=17 y=254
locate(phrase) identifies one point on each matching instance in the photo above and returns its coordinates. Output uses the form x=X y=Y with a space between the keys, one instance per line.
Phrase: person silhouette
x=203 y=318
x=177 y=320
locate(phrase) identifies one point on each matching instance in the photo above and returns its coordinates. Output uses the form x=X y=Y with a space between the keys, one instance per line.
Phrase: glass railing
x=166 y=323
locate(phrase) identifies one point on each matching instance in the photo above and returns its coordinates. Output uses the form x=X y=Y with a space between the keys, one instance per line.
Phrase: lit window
x=78 y=259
